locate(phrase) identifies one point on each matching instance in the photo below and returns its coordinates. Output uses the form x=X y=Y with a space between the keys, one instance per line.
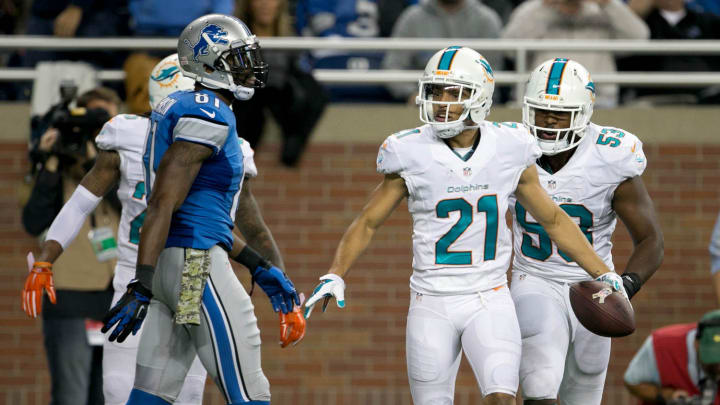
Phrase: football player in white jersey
x=457 y=172
x=119 y=162
x=593 y=173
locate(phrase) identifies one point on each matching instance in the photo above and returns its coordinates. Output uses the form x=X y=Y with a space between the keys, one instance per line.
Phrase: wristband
x=144 y=274
x=632 y=283
x=251 y=259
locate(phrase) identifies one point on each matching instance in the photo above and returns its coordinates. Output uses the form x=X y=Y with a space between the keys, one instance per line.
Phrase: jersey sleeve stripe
x=201 y=131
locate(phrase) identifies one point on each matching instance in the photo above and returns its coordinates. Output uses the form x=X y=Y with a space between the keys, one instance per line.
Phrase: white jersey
x=584 y=189
x=125 y=134
x=461 y=244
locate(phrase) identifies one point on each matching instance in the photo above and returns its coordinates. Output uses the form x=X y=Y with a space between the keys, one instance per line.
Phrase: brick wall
x=356 y=356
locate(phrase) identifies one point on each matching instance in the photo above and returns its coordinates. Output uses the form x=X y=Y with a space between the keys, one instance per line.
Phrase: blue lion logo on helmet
x=216 y=34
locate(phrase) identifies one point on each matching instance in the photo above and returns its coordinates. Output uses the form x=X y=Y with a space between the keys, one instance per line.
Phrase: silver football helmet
x=220 y=52
x=165 y=79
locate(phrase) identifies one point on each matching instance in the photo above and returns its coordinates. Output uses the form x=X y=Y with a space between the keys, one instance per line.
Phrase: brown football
x=600 y=310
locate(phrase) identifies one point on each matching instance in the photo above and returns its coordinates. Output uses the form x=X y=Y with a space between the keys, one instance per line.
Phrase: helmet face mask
x=220 y=52
x=561 y=89
x=455 y=92
x=245 y=64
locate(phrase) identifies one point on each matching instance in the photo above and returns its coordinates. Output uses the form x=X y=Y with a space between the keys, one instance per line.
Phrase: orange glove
x=39 y=278
x=292 y=327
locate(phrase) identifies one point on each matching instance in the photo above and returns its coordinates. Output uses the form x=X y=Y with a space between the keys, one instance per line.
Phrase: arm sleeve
x=68 y=222
x=192 y=128
x=44 y=203
x=715 y=248
x=624 y=23
x=643 y=367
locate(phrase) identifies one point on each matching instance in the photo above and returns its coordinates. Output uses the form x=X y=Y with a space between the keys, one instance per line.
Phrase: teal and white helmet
x=220 y=52
x=167 y=78
x=455 y=70
x=559 y=85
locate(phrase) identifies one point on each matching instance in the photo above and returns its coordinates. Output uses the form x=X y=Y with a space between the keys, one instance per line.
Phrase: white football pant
x=560 y=358
x=482 y=325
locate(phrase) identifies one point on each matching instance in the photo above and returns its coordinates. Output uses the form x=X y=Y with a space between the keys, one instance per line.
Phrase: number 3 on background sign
x=486 y=204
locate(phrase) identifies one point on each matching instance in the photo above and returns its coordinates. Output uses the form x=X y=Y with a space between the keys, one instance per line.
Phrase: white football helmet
x=455 y=76
x=220 y=52
x=559 y=85
x=167 y=78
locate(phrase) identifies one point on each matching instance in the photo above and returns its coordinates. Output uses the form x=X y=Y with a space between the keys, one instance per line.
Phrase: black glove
x=129 y=312
x=632 y=283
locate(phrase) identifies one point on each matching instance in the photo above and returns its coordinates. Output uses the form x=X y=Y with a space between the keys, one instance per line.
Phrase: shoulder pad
x=389 y=159
x=120 y=132
x=516 y=143
x=198 y=120
x=621 y=151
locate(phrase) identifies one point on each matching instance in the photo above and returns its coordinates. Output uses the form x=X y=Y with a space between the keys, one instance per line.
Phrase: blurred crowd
x=516 y=19
x=295 y=100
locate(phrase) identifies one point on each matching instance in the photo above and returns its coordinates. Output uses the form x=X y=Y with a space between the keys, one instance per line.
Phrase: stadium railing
x=520 y=49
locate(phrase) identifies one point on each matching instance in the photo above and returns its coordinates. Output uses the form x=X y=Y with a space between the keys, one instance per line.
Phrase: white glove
x=615 y=281
x=331 y=285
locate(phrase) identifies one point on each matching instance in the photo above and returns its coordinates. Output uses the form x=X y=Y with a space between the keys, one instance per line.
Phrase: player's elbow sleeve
x=68 y=222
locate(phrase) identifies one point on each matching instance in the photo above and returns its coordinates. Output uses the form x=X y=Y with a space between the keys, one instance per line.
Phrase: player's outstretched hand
x=40 y=278
x=331 y=285
x=128 y=313
x=292 y=326
x=278 y=288
x=615 y=281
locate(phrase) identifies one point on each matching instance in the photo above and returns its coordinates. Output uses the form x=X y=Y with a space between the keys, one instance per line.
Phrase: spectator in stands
x=292 y=95
x=715 y=258
x=83 y=274
x=673 y=19
x=158 y=18
x=389 y=11
x=77 y=18
x=578 y=19
x=678 y=364
x=440 y=19
x=343 y=18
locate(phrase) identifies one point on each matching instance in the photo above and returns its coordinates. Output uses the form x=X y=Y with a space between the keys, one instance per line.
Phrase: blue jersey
x=206 y=216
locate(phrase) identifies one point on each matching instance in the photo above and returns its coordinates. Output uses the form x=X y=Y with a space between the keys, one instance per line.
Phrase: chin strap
x=241 y=93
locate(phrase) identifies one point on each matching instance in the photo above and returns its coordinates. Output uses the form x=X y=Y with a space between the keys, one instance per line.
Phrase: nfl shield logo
x=552 y=184
x=467 y=171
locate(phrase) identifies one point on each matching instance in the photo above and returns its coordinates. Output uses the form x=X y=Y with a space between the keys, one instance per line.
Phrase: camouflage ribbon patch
x=194 y=275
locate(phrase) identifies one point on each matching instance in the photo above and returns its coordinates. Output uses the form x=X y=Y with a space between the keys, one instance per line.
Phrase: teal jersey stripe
x=556 y=72
x=447 y=57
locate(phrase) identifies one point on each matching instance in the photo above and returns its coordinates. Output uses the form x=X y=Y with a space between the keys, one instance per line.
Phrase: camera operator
x=678 y=364
x=64 y=153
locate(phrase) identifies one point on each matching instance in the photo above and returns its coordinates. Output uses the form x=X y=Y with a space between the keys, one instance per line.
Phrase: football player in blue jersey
x=183 y=279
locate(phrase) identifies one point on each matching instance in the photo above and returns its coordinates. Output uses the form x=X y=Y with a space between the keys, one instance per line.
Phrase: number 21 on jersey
x=487 y=205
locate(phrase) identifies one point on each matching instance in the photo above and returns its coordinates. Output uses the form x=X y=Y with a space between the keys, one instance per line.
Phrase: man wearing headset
x=678 y=364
